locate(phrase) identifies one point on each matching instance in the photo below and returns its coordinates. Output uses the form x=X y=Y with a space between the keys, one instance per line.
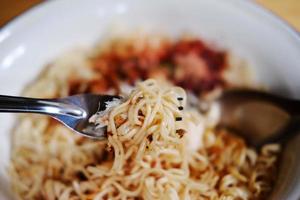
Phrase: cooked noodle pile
x=158 y=147
x=141 y=132
x=148 y=157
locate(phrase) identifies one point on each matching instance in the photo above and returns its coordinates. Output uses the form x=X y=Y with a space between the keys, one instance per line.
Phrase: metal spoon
x=73 y=111
x=261 y=118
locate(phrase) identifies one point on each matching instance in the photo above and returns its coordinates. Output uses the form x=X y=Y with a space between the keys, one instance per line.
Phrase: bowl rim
x=276 y=20
x=252 y=7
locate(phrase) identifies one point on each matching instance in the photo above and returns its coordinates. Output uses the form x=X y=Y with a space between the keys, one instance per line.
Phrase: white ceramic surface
x=38 y=36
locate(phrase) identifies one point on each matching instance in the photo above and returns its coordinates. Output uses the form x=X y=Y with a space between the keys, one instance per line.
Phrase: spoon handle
x=42 y=106
x=291 y=106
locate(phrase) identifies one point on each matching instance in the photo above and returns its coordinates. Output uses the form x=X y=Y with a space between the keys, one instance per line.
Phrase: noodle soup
x=160 y=145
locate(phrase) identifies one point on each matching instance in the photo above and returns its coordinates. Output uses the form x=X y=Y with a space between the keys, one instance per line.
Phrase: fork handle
x=42 y=106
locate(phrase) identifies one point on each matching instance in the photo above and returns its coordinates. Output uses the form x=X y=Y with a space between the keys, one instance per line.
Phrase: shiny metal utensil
x=261 y=118
x=73 y=111
x=287 y=184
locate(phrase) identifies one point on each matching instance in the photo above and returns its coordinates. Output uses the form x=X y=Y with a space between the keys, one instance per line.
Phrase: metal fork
x=73 y=111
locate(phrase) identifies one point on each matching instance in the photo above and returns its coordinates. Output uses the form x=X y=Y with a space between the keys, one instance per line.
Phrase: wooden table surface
x=287 y=9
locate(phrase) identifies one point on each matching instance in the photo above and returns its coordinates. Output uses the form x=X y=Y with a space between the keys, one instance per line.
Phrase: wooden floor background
x=287 y=9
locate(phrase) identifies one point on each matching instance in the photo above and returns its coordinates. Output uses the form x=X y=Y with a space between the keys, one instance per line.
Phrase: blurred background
x=287 y=9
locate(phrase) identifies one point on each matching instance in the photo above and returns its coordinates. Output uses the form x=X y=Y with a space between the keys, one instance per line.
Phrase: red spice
x=150 y=138
x=109 y=133
x=128 y=167
x=98 y=86
x=198 y=67
x=153 y=163
x=214 y=150
x=215 y=59
x=74 y=86
x=176 y=165
x=190 y=64
x=180 y=132
x=164 y=164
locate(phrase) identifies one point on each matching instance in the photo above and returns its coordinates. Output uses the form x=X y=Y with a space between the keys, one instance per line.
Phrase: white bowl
x=47 y=30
